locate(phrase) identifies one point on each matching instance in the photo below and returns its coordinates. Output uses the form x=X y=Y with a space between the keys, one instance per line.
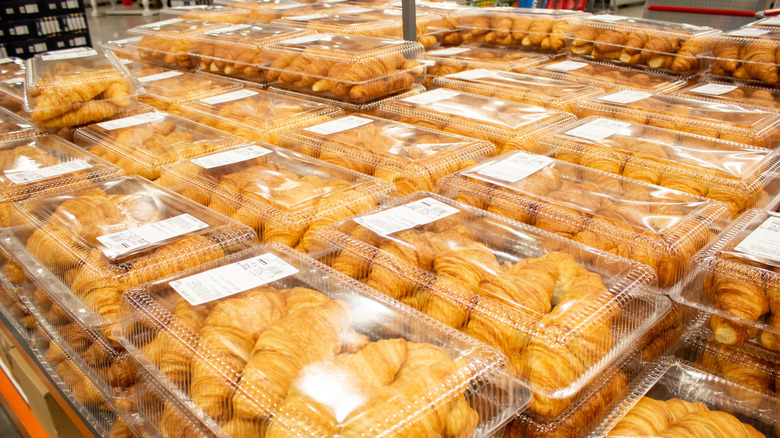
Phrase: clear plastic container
x=735 y=280
x=662 y=228
x=533 y=90
x=41 y=164
x=13 y=126
x=266 y=12
x=77 y=86
x=530 y=29
x=609 y=76
x=257 y=115
x=733 y=93
x=662 y=337
x=747 y=55
x=353 y=68
x=87 y=245
x=12 y=95
x=237 y=50
x=738 y=123
x=638 y=42
x=12 y=280
x=170 y=42
x=10 y=67
x=736 y=174
x=219 y=13
x=285 y=197
x=494 y=280
x=449 y=28
x=480 y=56
x=300 y=350
x=674 y=397
x=411 y=157
x=508 y=125
x=431 y=28
x=349 y=107
x=144 y=143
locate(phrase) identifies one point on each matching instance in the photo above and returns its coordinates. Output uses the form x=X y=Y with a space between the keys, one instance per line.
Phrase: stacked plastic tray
x=480 y=56
x=77 y=86
x=142 y=144
x=662 y=228
x=609 y=76
x=508 y=125
x=733 y=122
x=739 y=175
x=168 y=42
x=13 y=126
x=411 y=157
x=297 y=349
x=747 y=55
x=283 y=196
x=494 y=280
x=533 y=90
x=636 y=42
x=255 y=114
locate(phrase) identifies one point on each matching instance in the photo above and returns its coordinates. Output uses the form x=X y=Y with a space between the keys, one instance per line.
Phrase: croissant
x=651 y=417
x=687 y=58
x=83 y=389
x=759 y=61
x=56 y=100
x=727 y=56
x=92 y=111
x=540 y=28
x=520 y=26
x=175 y=362
x=738 y=291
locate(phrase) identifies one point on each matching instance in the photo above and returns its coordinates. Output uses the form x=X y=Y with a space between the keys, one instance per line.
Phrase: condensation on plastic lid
x=406 y=216
x=230 y=157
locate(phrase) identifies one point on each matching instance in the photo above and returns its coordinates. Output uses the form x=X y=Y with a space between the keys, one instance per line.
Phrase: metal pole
x=409 y=19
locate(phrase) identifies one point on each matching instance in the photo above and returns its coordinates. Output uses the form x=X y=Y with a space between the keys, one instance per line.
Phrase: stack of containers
x=169 y=43
x=508 y=125
x=662 y=228
x=411 y=157
x=257 y=115
x=747 y=55
x=495 y=279
x=296 y=349
x=736 y=174
x=480 y=56
x=732 y=122
x=432 y=26
x=285 y=197
x=733 y=93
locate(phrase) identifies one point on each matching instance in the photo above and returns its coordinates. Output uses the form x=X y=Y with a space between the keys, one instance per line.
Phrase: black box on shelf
x=16 y=30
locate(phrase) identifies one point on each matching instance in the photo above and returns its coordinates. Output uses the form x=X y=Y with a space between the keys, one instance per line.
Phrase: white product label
x=713 y=89
x=292 y=6
x=232 y=279
x=448 y=52
x=230 y=157
x=308 y=17
x=516 y=167
x=472 y=74
x=748 y=32
x=126 y=61
x=117 y=244
x=47 y=172
x=160 y=76
x=607 y=18
x=229 y=29
x=407 y=216
x=598 y=129
x=126 y=41
x=396 y=12
x=81 y=52
x=432 y=96
x=338 y=125
x=333 y=1
x=774 y=21
x=15 y=80
x=162 y=23
x=229 y=97
x=5 y=60
x=307 y=39
x=565 y=66
x=625 y=96
x=354 y=11
x=764 y=241
x=444 y=6
x=72 y=4
x=153 y=117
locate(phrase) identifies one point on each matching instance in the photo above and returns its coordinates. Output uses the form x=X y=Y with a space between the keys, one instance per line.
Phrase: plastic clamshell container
x=638 y=42
x=255 y=114
x=664 y=335
x=411 y=157
x=349 y=107
x=10 y=67
x=740 y=266
x=733 y=93
x=508 y=125
x=348 y=67
x=465 y=267
x=736 y=174
x=480 y=56
x=738 y=123
x=698 y=394
x=37 y=165
x=267 y=12
x=353 y=361
x=142 y=144
x=609 y=76
x=77 y=86
x=170 y=42
x=447 y=30
x=746 y=54
x=12 y=280
x=13 y=126
x=345 y=23
x=220 y=13
x=533 y=90
x=12 y=95
x=768 y=22
x=526 y=28
x=167 y=89
x=660 y=227
x=88 y=245
x=285 y=197
x=431 y=26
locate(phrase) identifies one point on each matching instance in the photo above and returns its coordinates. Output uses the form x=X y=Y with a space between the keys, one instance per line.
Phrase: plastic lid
x=738 y=123
x=747 y=54
x=255 y=114
x=284 y=196
x=740 y=94
x=10 y=67
x=464 y=267
x=655 y=27
x=170 y=42
x=770 y=22
x=344 y=23
x=546 y=92
x=729 y=172
x=509 y=125
x=349 y=107
x=412 y=157
x=13 y=126
x=660 y=227
x=90 y=244
x=76 y=86
x=219 y=13
x=267 y=12
x=143 y=143
x=175 y=86
x=480 y=56
x=348 y=354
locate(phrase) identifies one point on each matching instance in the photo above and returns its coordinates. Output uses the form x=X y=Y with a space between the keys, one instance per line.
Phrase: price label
x=406 y=216
x=233 y=28
x=472 y=74
x=229 y=97
x=713 y=89
x=764 y=241
x=160 y=76
x=748 y=32
x=81 y=52
x=123 y=242
x=773 y=21
x=125 y=41
x=625 y=96
x=431 y=96
x=516 y=167
x=599 y=129
x=307 y=17
x=565 y=66
x=449 y=52
x=162 y=23
x=339 y=125
x=153 y=117
x=47 y=172
x=607 y=18
x=354 y=11
x=230 y=157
